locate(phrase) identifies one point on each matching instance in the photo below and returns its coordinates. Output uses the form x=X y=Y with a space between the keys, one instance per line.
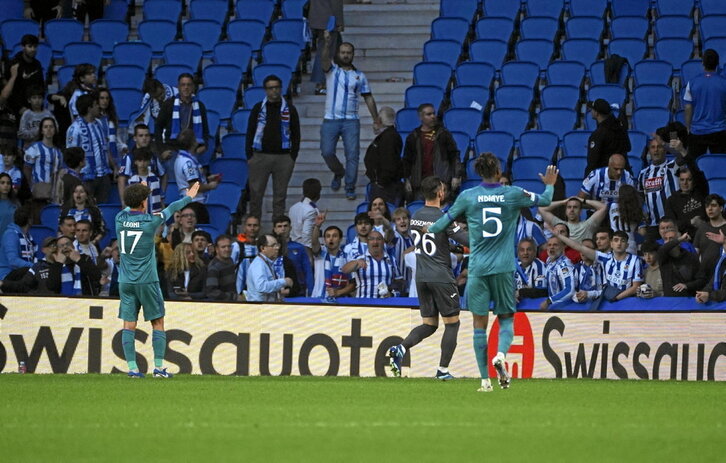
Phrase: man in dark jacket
x=679 y=268
x=686 y=204
x=221 y=275
x=610 y=137
x=383 y=160
x=430 y=150
x=28 y=73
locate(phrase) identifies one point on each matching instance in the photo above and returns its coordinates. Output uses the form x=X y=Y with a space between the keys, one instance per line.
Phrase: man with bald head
x=603 y=184
x=383 y=160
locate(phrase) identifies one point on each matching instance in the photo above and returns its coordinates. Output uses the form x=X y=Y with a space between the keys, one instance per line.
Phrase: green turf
x=209 y=419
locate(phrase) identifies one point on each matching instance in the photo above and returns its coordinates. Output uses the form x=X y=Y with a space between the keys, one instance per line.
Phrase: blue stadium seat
x=575 y=143
x=167 y=10
x=716 y=43
x=488 y=51
x=464 y=96
x=157 y=33
x=137 y=53
x=649 y=119
x=125 y=76
x=503 y=8
x=40 y=233
x=546 y=8
x=712 y=165
x=711 y=7
x=475 y=73
x=629 y=27
x=227 y=193
x=107 y=33
x=253 y=95
x=419 y=94
x=597 y=74
x=636 y=164
x=222 y=75
x=263 y=70
x=629 y=8
x=465 y=9
x=573 y=186
x=513 y=121
x=219 y=99
x=653 y=96
x=449 y=29
x=219 y=215
x=498 y=142
x=250 y=31
x=560 y=96
x=638 y=142
x=565 y=73
x=13 y=30
x=50 y=215
x=12 y=10
x=558 y=121
x=76 y=53
x=127 y=101
x=233 y=146
x=654 y=72
x=260 y=10
x=471 y=172
x=513 y=96
x=108 y=212
x=60 y=32
x=169 y=73
x=172 y=191
x=463 y=142
x=205 y=32
x=529 y=168
x=184 y=53
x=350 y=234
x=432 y=73
x=212 y=230
x=712 y=26
x=215 y=10
x=291 y=30
x=538 y=143
x=414 y=206
x=240 y=119
x=234 y=53
x=281 y=52
x=466 y=120
x=490 y=27
x=65 y=75
x=572 y=167
x=520 y=73
x=536 y=51
x=407 y=119
x=594 y=8
x=584 y=27
x=446 y=51
x=674 y=7
x=611 y=93
x=586 y=51
x=539 y=27
x=233 y=170
x=689 y=70
x=116 y=10
x=633 y=50
x=293 y=9
x=675 y=51
x=674 y=27
x=718 y=186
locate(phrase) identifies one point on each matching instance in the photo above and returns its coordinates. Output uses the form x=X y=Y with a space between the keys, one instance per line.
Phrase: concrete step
x=392 y=63
x=390 y=15
x=383 y=30
x=393 y=40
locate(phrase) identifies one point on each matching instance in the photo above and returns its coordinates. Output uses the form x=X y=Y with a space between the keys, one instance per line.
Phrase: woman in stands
x=43 y=160
x=186 y=274
x=8 y=202
x=380 y=213
x=81 y=206
x=109 y=118
x=626 y=214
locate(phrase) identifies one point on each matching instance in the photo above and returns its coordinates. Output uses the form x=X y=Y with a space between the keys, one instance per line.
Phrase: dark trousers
x=698 y=144
x=92 y=8
x=99 y=188
x=392 y=193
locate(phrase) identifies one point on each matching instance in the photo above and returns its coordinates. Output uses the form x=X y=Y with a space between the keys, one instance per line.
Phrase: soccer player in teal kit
x=138 y=279
x=492 y=212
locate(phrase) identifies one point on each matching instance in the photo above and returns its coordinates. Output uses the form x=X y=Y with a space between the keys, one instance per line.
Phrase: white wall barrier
x=68 y=335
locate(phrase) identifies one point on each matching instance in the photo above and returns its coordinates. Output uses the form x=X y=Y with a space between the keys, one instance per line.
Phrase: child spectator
x=651 y=274
x=31 y=119
x=10 y=153
x=142 y=161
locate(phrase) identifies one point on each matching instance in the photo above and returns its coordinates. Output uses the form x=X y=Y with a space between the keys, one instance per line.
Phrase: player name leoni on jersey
x=132 y=224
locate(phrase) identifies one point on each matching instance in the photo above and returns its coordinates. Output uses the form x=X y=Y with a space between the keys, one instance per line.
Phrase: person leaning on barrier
x=263 y=282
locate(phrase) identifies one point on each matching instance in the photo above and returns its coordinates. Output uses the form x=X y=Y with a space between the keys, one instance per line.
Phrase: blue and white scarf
x=196 y=120
x=262 y=122
x=71 y=281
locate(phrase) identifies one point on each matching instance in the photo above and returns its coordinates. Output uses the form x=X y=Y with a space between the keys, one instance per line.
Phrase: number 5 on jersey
x=497 y=222
x=426 y=241
x=136 y=235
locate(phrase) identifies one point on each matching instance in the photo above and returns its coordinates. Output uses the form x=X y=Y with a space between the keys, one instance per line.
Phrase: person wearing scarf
x=184 y=111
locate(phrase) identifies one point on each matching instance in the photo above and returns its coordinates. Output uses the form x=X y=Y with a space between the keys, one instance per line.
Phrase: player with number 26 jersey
x=433 y=258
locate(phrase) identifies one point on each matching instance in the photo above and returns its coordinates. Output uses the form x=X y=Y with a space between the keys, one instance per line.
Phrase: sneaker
x=335 y=184
x=502 y=374
x=486 y=386
x=162 y=373
x=135 y=374
x=396 y=357
x=350 y=195
x=444 y=376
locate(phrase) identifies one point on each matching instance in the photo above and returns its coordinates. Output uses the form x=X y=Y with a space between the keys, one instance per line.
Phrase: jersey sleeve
x=365 y=88
x=31 y=155
x=602 y=257
x=168 y=213
x=588 y=185
x=529 y=199
x=454 y=211
x=126 y=167
x=566 y=275
x=458 y=234
x=73 y=136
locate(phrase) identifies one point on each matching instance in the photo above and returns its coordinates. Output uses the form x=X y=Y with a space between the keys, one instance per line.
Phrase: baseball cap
x=49 y=241
x=599 y=105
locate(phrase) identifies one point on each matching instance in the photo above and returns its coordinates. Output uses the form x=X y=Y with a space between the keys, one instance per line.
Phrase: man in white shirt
x=303 y=215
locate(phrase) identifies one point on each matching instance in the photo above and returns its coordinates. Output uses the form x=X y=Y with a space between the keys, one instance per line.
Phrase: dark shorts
x=135 y=296
x=498 y=288
x=438 y=298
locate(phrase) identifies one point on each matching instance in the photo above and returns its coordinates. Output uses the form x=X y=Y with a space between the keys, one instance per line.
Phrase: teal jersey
x=135 y=234
x=492 y=213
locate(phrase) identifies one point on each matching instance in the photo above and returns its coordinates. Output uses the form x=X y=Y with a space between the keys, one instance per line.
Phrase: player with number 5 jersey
x=138 y=278
x=492 y=213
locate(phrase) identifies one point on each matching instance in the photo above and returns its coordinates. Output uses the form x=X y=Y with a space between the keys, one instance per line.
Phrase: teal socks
x=158 y=341
x=127 y=340
x=480 y=351
x=506 y=334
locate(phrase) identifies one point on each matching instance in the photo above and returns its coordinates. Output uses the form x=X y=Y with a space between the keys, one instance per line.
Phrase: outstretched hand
x=193 y=190
x=550 y=176
x=716 y=237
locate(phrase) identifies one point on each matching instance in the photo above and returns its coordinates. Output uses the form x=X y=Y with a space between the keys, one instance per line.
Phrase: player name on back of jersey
x=132 y=224
x=490 y=199
x=420 y=223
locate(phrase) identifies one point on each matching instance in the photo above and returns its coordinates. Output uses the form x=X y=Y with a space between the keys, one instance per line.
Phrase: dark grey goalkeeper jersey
x=433 y=259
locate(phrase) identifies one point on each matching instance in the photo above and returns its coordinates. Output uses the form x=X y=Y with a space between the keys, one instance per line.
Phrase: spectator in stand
x=573 y=211
x=609 y=137
x=588 y=276
x=528 y=227
x=10 y=167
x=141 y=139
x=78 y=272
x=705 y=109
x=43 y=10
x=602 y=239
x=666 y=225
x=686 y=206
x=560 y=275
x=273 y=141
x=83 y=242
x=359 y=245
x=318 y=16
x=330 y=281
x=345 y=83
x=177 y=114
x=188 y=170
x=679 y=269
x=304 y=213
x=203 y=246
x=375 y=272
x=43 y=161
x=67 y=227
x=18 y=248
x=8 y=202
x=187 y=274
x=43 y=278
x=82 y=207
x=299 y=265
x=403 y=243
x=383 y=160
x=430 y=150
x=187 y=226
x=69 y=177
x=715 y=290
x=603 y=184
x=24 y=72
x=264 y=284
x=708 y=249
x=571 y=253
x=142 y=162
x=379 y=212
x=92 y=8
x=109 y=275
x=109 y=118
x=220 y=283
x=32 y=118
x=244 y=249
x=83 y=83
x=651 y=274
x=155 y=94
x=530 y=272
x=626 y=214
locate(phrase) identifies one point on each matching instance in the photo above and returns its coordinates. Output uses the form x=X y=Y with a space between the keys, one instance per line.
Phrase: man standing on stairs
x=345 y=85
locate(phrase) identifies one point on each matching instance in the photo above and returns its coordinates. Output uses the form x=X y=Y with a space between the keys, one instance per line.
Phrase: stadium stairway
x=388 y=38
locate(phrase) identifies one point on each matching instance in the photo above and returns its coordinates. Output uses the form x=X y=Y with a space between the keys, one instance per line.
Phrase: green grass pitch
x=212 y=418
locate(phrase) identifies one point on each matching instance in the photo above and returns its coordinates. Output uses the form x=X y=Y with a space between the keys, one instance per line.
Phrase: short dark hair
x=34 y=90
x=280 y=219
x=714 y=197
x=22 y=216
x=206 y=235
x=223 y=237
x=423 y=106
x=334 y=228
x=622 y=235
x=487 y=165
x=183 y=75
x=29 y=39
x=186 y=139
x=85 y=222
x=311 y=188
x=710 y=59
x=138 y=127
x=667 y=219
x=135 y=195
x=143 y=154
x=607 y=230
x=588 y=239
x=269 y=78
x=63 y=218
x=73 y=157
x=362 y=217
x=84 y=103
x=348 y=44
x=649 y=246
x=82 y=70
x=430 y=187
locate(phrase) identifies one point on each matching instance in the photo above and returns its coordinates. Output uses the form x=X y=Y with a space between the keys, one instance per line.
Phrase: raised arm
x=601 y=209
x=585 y=251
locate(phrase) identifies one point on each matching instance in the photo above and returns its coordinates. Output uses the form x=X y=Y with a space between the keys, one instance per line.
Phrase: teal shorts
x=135 y=296
x=498 y=288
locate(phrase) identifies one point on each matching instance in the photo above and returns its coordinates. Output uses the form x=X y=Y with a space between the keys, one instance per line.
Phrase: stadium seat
x=497 y=142
x=418 y=94
x=13 y=30
x=157 y=33
x=60 y=32
x=595 y=8
x=575 y=143
x=629 y=27
x=227 y=193
x=716 y=43
x=432 y=73
x=503 y=8
x=529 y=168
x=233 y=146
x=444 y=28
x=260 y=10
x=205 y=32
x=414 y=206
x=538 y=143
x=652 y=72
x=107 y=33
x=234 y=53
x=168 y=10
x=50 y=215
x=544 y=8
x=573 y=186
x=652 y=95
x=136 y=53
x=586 y=51
x=711 y=7
x=689 y=70
x=649 y=119
x=488 y=51
x=464 y=9
x=219 y=215
x=446 y=51
x=281 y=52
x=572 y=167
x=219 y=99
x=636 y=164
x=350 y=234
x=127 y=101
x=513 y=121
x=183 y=53
x=597 y=74
x=464 y=96
x=558 y=121
x=125 y=76
x=584 y=27
x=39 y=233
x=638 y=142
x=250 y=31
x=565 y=73
x=712 y=26
x=64 y=75
x=674 y=27
x=76 y=53
x=539 y=27
x=629 y=8
x=520 y=73
x=214 y=10
x=465 y=120
x=260 y=72
x=116 y=10
x=712 y=165
x=407 y=119
x=498 y=28
x=252 y=96
x=475 y=73
x=560 y=96
x=612 y=93
x=513 y=96
x=233 y=170
x=471 y=172
x=169 y=73
x=108 y=212
x=222 y=75
x=674 y=51
x=291 y=30
x=240 y=119
x=674 y=7
x=536 y=51
x=12 y=10
x=211 y=229
x=463 y=142
x=633 y=50
x=718 y=186
x=293 y=9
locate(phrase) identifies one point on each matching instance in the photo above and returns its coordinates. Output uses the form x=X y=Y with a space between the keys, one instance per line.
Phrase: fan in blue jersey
x=376 y=273
x=492 y=213
x=530 y=278
x=142 y=161
x=138 y=278
x=330 y=281
x=589 y=276
x=604 y=183
x=560 y=275
x=656 y=182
